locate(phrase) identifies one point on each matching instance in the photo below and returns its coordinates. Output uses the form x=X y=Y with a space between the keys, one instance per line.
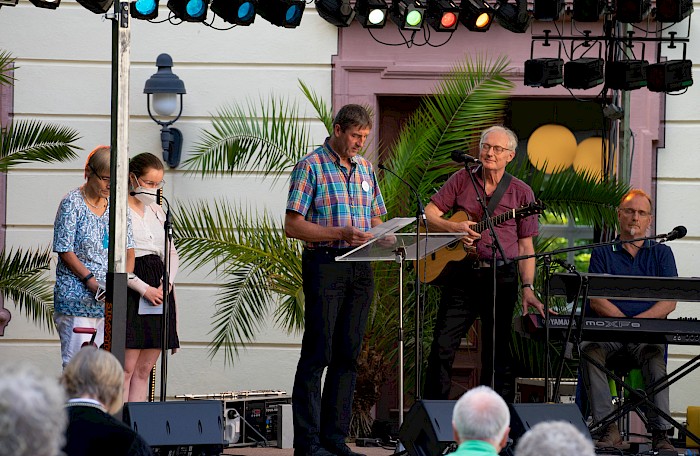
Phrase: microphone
x=159 y=196
x=415 y=192
x=461 y=156
x=676 y=233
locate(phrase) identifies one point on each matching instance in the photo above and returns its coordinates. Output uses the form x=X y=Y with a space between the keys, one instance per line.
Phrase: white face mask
x=146 y=198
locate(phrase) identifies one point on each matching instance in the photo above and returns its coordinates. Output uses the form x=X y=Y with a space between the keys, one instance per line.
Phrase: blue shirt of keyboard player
x=652 y=260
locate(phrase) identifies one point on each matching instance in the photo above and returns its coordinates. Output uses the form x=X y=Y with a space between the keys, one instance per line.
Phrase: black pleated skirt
x=144 y=331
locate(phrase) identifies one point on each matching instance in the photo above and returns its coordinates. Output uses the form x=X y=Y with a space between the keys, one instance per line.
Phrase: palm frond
x=23 y=279
x=260 y=266
x=268 y=138
x=7 y=65
x=323 y=111
x=32 y=141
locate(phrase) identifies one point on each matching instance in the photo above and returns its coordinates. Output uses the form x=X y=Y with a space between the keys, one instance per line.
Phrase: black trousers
x=338 y=296
x=468 y=296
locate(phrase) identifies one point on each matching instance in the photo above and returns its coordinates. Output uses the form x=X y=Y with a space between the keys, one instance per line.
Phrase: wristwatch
x=528 y=285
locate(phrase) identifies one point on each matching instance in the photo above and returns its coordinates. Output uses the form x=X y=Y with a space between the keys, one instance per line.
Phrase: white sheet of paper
x=146 y=308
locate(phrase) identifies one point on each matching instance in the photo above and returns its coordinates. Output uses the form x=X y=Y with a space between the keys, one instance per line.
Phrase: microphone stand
x=583 y=285
x=495 y=244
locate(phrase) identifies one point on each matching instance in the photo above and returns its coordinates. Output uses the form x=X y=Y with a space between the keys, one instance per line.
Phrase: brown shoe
x=610 y=438
x=660 y=442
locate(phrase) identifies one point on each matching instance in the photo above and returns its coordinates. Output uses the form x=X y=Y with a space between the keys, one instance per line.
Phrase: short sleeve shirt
x=458 y=194
x=77 y=229
x=328 y=194
x=652 y=260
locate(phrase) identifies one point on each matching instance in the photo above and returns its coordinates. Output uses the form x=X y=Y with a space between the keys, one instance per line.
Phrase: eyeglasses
x=496 y=149
x=104 y=179
x=628 y=211
x=151 y=184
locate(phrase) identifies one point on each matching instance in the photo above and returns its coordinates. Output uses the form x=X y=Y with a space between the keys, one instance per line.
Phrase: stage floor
x=274 y=451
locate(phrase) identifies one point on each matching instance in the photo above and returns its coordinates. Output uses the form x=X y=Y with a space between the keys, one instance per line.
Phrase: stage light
x=583 y=73
x=670 y=76
x=544 y=72
x=626 y=74
x=239 y=12
x=588 y=10
x=8 y=2
x=512 y=17
x=144 y=9
x=371 y=13
x=476 y=15
x=189 y=10
x=548 y=10
x=282 y=13
x=336 y=12
x=46 y=3
x=407 y=14
x=673 y=10
x=631 y=11
x=442 y=15
x=97 y=6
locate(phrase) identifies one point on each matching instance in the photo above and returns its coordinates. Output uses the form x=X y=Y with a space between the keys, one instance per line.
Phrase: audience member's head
x=554 y=438
x=481 y=414
x=32 y=414
x=95 y=374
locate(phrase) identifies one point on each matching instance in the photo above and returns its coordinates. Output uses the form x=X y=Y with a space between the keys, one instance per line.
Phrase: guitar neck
x=496 y=220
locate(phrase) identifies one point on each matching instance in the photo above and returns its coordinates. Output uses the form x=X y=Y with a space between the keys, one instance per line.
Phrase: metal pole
x=115 y=304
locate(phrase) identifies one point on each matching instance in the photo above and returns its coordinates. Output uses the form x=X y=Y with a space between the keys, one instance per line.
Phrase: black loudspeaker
x=524 y=416
x=179 y=427
x=427 y=428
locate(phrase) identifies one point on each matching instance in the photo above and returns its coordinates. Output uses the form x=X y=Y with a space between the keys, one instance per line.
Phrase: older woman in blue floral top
x=81 y=239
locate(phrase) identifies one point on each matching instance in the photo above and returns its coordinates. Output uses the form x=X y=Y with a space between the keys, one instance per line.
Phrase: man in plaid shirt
x=333 y=202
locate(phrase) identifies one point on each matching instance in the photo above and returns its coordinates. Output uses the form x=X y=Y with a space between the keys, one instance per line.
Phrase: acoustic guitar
x=433 y=265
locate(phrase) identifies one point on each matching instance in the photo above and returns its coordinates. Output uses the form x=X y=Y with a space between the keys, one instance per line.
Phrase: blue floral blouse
x=77 y=229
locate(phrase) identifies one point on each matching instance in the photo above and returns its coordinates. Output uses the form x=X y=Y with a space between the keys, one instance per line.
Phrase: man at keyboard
x=639 y=258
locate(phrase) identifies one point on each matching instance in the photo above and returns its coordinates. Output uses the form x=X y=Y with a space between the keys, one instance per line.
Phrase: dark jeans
x=469 y=296
x=338 y=297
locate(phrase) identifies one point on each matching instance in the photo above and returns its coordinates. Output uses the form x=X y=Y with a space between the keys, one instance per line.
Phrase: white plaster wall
x=64 y=77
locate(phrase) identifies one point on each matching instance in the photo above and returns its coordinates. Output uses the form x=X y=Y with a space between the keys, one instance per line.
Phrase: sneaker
x=610 y=438
x=312 y=450
x=660 y=442
x=341 y=449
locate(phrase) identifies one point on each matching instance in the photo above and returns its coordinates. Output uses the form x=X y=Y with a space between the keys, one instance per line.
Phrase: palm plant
x=22 y=273
x=261 y=268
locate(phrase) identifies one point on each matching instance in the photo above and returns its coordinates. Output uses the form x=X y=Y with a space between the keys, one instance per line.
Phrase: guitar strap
x=498 y=193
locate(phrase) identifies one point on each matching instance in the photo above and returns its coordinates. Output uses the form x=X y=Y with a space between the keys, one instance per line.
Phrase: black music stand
x=575 y=285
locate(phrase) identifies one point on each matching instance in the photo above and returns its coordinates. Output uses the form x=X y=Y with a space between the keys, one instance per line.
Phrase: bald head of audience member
x=32 y=415
x=481 y=414
x=554 y=438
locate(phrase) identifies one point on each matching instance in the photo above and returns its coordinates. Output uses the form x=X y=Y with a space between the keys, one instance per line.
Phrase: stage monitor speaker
x=178 y=427
x=427 y=428
x=525 y=416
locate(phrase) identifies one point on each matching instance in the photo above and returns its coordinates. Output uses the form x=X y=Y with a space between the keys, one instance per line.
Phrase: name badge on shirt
x=365 y=186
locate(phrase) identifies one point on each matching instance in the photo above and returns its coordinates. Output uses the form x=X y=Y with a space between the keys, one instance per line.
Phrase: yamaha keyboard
x=647 y=330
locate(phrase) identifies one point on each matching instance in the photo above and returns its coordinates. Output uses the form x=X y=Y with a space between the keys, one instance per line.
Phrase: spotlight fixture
x=544 y=72
x=282 y=13
x=97 y=6
x=336 y=12
x=46 y=3
x=673 y=10
x=631 y=11
x=8 y=2
x=407 y=14
x=588 y=10
x=239 y=12
x=165 y=87
x=442 y=15
x=670 y=76
x=548 y=10
x=476 y=15
x=583 y=73
x=512 y=17
x=626 y=74
x=189 y=10
x=371 y=13
x=144 y=9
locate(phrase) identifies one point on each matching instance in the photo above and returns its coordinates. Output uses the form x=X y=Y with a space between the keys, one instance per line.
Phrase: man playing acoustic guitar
x=467 y=285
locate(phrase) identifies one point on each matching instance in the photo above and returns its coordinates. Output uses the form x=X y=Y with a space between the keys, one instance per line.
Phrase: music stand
x=387 y=245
